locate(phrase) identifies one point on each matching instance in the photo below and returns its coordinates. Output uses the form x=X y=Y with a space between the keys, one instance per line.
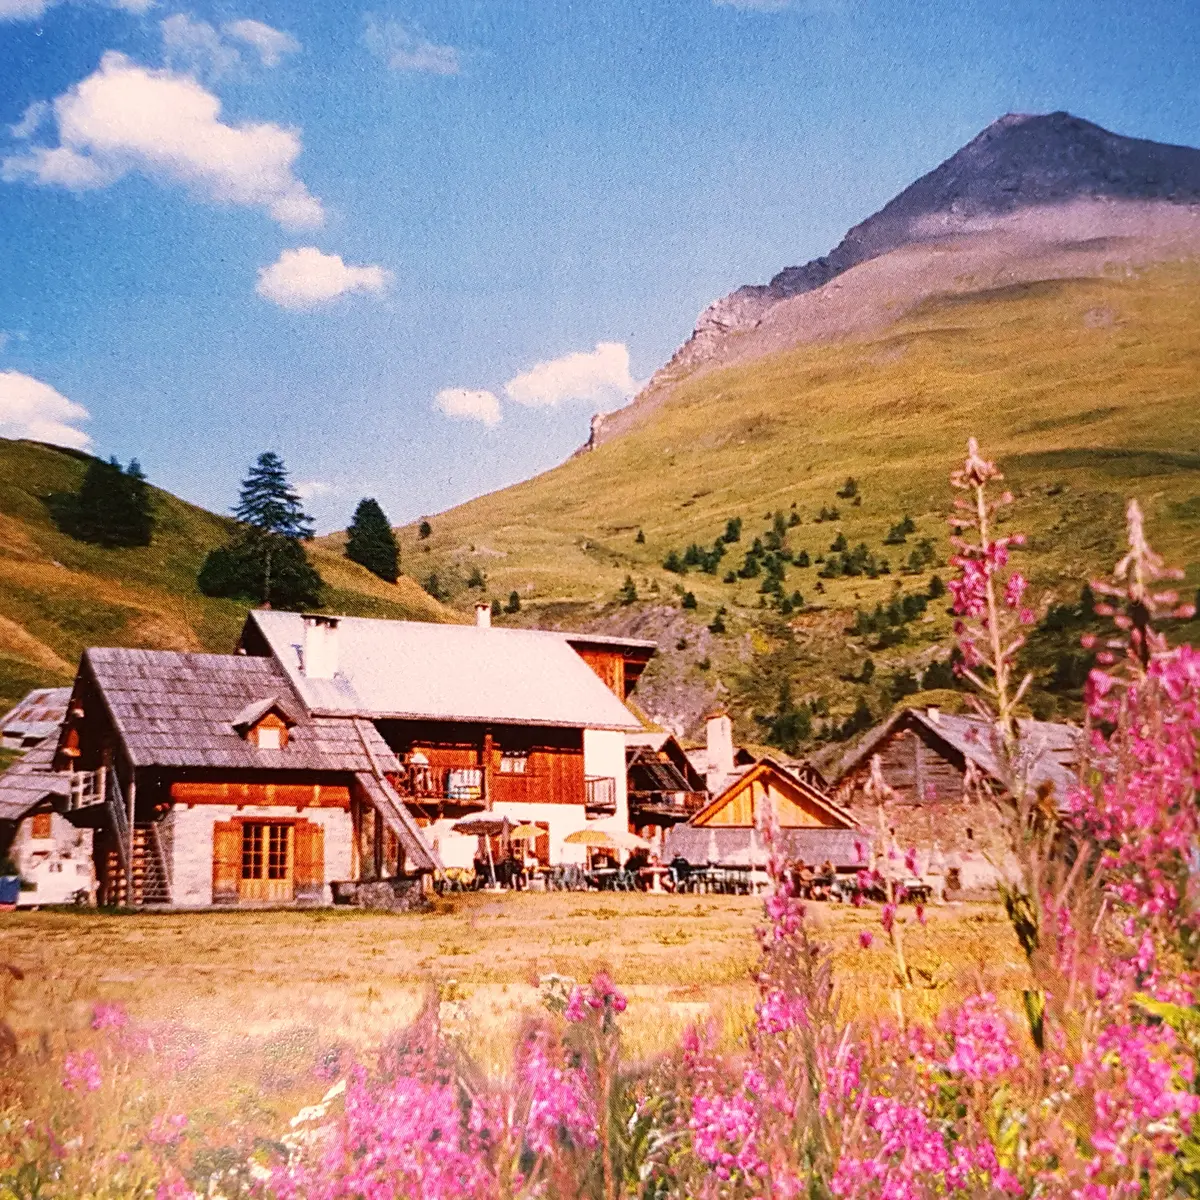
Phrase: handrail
x=164 y=863
x=116 y=810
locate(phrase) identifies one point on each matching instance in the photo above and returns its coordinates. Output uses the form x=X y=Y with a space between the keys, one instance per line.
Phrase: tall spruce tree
x=371 y=543
x=265 y=560
x=113 y=506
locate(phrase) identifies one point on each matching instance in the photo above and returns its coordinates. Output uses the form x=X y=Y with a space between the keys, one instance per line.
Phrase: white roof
x=420 y=670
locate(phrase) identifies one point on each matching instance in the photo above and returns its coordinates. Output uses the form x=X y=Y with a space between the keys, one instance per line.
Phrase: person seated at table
x=637 y=860
x=679 y=871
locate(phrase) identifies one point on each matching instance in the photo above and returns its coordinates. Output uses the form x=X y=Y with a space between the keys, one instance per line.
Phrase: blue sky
x=413 y=246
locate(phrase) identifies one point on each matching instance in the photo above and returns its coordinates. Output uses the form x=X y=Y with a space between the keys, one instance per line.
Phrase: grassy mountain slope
x=58 y=596
x=1086 y=390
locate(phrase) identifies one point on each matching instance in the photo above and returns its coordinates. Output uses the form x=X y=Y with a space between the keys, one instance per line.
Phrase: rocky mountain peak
x=1019 y=161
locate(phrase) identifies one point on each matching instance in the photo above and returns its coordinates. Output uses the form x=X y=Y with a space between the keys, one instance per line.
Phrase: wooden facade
x=458 y=767
x=766 y=788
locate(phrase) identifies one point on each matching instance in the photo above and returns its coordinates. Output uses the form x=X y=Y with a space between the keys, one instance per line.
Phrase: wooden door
x=309 y=861
x=268 y=862
x=227 y=861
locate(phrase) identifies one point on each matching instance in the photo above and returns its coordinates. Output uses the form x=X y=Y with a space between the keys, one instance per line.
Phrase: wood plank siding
x=536 y=765
x=243 y=792
x=609 y=665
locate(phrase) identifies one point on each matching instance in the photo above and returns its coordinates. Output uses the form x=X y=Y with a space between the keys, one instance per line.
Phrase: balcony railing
x=666 y=807
x=600 y=795
x=425 y=784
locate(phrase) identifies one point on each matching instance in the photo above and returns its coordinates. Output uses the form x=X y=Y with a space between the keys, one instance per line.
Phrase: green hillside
x=1087 y=391
x=58 y=595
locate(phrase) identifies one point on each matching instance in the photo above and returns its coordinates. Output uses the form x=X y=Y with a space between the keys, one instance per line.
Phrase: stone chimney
x=320 y=659
x=483 y=615
x=719 y=741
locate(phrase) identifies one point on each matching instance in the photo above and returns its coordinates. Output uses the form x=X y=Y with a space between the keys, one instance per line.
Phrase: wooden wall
x=554 y=757
x=609 y=665
x=286 y=795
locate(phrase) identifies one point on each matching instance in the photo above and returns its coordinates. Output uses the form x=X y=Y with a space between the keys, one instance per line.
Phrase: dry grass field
x=330 y=976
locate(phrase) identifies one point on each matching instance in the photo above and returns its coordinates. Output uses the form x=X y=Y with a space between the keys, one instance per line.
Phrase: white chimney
x=320 y=660
x=483 y=615
x=719 y=739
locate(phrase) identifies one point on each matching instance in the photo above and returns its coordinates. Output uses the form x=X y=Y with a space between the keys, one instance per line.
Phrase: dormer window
x=269 y=736
x=265 y=724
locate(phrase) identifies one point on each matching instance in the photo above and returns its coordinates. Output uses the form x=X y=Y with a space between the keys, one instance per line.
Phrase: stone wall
x=190 y=832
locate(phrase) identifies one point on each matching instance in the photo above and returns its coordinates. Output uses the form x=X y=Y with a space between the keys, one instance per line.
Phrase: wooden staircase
x=151 y=882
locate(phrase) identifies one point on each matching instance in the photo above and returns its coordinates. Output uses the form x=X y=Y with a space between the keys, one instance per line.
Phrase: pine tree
x=424 y=530
x=265 y=559
x=268 y=502
x=514 y=603
x=628 y=593
x=371 y=543
x=113 y=507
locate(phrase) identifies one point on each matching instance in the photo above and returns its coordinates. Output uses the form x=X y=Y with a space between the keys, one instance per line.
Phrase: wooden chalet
x=728 y=831
x=923 y=757
x=528 y=724
x=206 y=780
x=664 y=787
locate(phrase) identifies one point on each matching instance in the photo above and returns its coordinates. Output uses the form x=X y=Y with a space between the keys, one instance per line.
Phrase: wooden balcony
x=664 y=808
x=441 y=791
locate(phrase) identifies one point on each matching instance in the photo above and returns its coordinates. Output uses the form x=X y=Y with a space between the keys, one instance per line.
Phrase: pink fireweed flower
x=109 y=1016
x=910 y=860
x=778 y=1012
x=865 y=938
x=81 y=1072
x=724 y=1130
x=1014 y=589
x=166 y=1129
x=887 y=918
x=559 y=1107
x=983 y=1045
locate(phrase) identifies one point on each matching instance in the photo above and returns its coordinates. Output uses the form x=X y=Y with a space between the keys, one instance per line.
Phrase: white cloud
x=30 y=10
x=585 y=375
x=466 y=404
x=271 y=44
x=305 y=278
x=31 y=120
x=315 y=489
x=406 y=49
x=196 y=46
x=32 y=409
x=126 y=117
x=23 y=10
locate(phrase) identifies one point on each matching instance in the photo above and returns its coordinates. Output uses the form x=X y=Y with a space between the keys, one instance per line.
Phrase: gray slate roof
x=419 y=670
x=173 y=709
x=37 y=716
x=30 y=780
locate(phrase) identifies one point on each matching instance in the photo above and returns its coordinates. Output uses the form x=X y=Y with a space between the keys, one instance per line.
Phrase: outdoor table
x=605 y=877
x=655 y=875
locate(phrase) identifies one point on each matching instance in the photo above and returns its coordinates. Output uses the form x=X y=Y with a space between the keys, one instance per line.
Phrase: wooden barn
x=923 y=756
x=529 y=724
x=207 y=781
x=728 y=831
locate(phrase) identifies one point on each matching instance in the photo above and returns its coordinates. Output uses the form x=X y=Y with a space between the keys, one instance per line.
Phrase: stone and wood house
x=923 y=756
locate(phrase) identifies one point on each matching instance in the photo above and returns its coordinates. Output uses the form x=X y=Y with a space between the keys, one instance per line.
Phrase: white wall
x=59 y=865
x=604 y=755
x=191 y=874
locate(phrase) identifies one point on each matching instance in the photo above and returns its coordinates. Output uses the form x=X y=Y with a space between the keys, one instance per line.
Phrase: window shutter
x=227 y=861
x=309 y=860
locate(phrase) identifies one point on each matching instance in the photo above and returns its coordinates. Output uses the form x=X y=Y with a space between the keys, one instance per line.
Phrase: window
x=268 y=738
x=513 y=764
x=265 y=850
x=40 y=826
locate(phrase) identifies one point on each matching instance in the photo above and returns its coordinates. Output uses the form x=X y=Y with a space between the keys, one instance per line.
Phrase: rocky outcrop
x=1019 y=163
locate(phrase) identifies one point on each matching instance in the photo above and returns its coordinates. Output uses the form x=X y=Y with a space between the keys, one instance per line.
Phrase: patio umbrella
x=526 y=833
x=629 y=841
x=486 y=826
x=599 y=839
